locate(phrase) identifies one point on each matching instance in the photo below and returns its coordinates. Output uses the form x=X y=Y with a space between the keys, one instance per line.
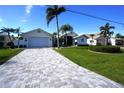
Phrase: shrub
x=84 y=45
x=106 y=49
x=99 y=44
x=1 y=44
x=25 y=46
x=16 y=46
x=21 y=46
x=11 y=44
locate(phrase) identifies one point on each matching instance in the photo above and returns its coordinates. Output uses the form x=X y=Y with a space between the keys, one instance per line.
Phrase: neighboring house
x=88 y=39
x=4 y=38
x=101 y=41
x=120 y=41
x=70 y=37
x=84 y=40
x=35 y=39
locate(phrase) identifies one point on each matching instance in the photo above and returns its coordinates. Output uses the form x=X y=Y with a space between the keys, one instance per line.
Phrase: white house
x=84 y=40
x=35 y=39
x=4 y=38
x=88 y=39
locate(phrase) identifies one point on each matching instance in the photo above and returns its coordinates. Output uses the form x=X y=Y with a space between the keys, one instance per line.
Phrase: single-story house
x=70 y=37
x=101 y=40
x=4 y=38
x=84 y=40
x=120 y=41
x=96 y=39
x=35 y=39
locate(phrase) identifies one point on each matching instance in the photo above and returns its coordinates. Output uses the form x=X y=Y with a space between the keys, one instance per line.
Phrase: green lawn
x=6 y=54
x=109 y=65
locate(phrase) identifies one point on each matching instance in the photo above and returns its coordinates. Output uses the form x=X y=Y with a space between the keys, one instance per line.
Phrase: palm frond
x=111 y=33
x=65 y=28
x=102 y=28
x=52 y=11
x=4 y=29
x=49 y=17
x=111 y=27
x=107 y=25
x=61 y=10
x=49 y=9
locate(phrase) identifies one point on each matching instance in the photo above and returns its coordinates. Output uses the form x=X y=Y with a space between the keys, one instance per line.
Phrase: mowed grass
x=109 y=65
x=6 y=54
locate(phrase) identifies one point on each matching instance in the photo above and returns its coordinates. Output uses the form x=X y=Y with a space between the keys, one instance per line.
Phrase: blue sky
x=32 y=17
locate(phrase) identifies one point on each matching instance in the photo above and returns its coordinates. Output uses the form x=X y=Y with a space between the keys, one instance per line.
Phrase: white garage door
x=38 y=42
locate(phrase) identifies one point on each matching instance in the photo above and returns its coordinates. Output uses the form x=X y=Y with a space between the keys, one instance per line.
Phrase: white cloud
x=23 y=20
x=1 y=20
x=28 y=9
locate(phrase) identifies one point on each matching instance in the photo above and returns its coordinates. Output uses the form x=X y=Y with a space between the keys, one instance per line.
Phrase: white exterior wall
x=87 y=41
x=50 y=40
x=93 y=43
x=38 y=33
x=79 y=40
x=35 y=33
x=113 y=41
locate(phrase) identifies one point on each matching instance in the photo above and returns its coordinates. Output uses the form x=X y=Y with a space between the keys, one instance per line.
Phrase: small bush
x=84 y=45
x=16 y=46
x=106 y=49
x=99 y=44
x=1 y=44
x=21 y=46
x=11 y=44
x=25 y=46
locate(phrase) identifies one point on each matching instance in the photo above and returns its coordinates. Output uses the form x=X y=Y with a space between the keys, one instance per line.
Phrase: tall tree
x=66 y=28
x=106 y=33
x=8 y=31
x=118 y=35
x=53 y=12
x=17 y=31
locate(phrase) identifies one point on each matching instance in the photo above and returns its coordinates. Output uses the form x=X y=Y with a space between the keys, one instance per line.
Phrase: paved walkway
x=34 y=68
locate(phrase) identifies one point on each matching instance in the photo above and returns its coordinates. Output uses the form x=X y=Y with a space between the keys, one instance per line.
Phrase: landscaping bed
x=110 y=65
x=6 y=54
x=106 y=49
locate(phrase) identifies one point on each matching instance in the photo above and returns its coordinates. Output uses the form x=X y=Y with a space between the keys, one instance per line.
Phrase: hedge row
x=106 y=49
x=11 y=45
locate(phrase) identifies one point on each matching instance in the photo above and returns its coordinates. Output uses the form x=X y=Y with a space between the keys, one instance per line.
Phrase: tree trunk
x=57 y=29
x=9 y=37
x=66 y=40
x=105 y=41
x=18 y=40
x=92 y=41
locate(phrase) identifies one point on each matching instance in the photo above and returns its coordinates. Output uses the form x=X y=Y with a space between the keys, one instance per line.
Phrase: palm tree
x=105 y=32
x=53 y=12
x=18 y=34
x=66 y=28
x=8 y=31
x=118 y=35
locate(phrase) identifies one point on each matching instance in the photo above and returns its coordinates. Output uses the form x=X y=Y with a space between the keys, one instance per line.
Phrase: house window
x=82 y=40
x=91 y=41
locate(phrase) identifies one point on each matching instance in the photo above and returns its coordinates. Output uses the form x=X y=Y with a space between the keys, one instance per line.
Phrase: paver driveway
x=46 y=68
